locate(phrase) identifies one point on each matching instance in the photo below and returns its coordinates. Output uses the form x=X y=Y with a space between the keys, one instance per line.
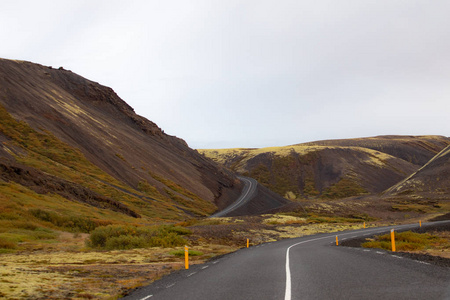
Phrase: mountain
x=335 y=168
x=70 y=146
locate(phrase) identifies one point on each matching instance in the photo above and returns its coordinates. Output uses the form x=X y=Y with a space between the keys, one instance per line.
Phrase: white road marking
x=396 y=256
x=204 y=267
x=422 y=262
x=215 y=262
x=145 y=298
x=365 y=250
x=378 y=252
x=170 y=285
x=287 y=292
x=189 y=275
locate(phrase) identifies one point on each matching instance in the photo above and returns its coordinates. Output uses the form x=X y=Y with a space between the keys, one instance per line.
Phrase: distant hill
x=414 y=149
x=71 y=147
x=333 y=169
x=430 y=182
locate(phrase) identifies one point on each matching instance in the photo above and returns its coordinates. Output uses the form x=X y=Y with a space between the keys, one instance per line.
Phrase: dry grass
x=435 y=243
x=66 y=268
x=69 y=270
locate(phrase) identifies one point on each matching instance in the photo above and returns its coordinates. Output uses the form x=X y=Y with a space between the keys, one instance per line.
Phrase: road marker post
x=247 y=243
x=337 y=243
x=393 y=240
x=186 y=257
x=420 y=223
x=364 y=224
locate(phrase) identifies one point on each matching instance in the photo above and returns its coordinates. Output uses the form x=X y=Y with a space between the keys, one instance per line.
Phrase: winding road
x=311 y=267
x=248 y=192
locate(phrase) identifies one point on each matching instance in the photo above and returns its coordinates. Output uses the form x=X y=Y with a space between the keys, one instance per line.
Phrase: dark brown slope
x=431 y=182
x=93 y=119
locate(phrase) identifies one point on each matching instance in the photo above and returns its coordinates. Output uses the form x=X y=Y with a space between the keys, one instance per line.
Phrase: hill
x=417 y=150
x=333 y=169
x=430 y=182
x=72 y=149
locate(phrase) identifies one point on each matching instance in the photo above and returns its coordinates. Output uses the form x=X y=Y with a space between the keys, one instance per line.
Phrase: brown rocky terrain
x=46 y=110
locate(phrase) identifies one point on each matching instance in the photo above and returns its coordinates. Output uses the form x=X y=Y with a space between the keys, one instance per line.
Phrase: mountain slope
x=332 y=169
x=432 y=181
x=84 y=142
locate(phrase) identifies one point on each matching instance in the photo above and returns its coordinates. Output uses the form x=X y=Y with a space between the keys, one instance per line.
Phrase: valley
x=96 y=200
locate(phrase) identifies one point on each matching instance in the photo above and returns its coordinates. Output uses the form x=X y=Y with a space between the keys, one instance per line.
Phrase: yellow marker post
x=420 y=223
x=186 y=257
x=393 y=240
x=364 y=224
x=247 y=243
x=337 y=243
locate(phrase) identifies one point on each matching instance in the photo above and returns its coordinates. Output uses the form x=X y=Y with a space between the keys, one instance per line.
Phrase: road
x=248 y=192
x=310 y=267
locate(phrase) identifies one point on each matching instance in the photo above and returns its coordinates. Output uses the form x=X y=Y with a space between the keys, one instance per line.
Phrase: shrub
x=128 y=237
x=124 y=242
x=5 y=244
x=43 y=234
x=71 y=223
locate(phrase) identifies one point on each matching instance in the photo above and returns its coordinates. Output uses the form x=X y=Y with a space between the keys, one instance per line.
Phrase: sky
x=252 y=73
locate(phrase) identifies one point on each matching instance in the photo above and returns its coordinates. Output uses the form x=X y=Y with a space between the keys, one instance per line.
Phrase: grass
x=105 y=274
x=181 y=253
x=345 y=187
x=64 y=267
x=131 y=237
x=7 y=244
x=407 y=241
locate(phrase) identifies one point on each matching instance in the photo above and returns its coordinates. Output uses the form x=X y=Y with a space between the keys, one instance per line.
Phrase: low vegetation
x=344 y=188
x=409 y=241
x=119 y=237
x=38 y=262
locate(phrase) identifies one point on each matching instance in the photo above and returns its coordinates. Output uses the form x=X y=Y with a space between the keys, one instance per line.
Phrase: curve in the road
x=248 y=192
x=288 y=290
x=306 y=268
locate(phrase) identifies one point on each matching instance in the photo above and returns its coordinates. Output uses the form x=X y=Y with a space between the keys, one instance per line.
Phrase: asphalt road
x=310 y=267
x=248 y=192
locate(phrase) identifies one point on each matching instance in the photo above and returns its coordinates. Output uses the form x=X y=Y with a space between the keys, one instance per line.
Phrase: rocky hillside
x=432 y=181
x=333 y=169
x=67 y=143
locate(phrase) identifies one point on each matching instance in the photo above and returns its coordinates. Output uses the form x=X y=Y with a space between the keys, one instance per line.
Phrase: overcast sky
x=250 y=73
